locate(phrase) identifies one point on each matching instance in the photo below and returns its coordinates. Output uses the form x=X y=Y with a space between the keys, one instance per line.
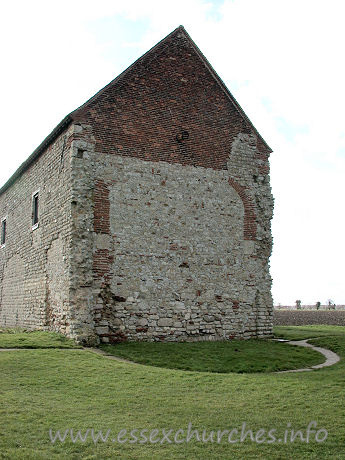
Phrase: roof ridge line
x=119 y=77
x=224 y=87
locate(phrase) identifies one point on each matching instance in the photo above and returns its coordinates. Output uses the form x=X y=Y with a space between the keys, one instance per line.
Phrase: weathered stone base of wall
x=113 y=339
x=118 y=319
x=168 y=335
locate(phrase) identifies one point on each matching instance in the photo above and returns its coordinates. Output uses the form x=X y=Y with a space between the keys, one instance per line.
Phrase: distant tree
x=331 y=304
x=298 y=304
x=318 y=304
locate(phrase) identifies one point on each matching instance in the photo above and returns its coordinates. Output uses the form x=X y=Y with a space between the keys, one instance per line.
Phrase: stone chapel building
x=145 y=214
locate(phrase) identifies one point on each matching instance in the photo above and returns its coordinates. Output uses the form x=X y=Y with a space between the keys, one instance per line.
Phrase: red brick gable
x=168 y=106
x=147 y=111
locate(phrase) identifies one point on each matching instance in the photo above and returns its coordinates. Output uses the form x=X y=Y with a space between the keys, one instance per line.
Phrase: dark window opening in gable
x=3 y=232
x=35 y=209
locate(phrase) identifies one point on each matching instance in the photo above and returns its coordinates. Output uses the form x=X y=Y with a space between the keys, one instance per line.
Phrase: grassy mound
x=241 y=356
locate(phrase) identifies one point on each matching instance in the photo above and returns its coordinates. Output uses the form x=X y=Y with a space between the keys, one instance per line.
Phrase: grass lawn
x=306 y=332
x=235 y=356
x=35 y=339
x=75 y=389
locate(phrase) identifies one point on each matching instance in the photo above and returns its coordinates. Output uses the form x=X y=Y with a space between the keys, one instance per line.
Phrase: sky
x=283 y=60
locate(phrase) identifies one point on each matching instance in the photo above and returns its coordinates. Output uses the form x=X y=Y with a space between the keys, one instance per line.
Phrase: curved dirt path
x=103 y=353
x=331 y=357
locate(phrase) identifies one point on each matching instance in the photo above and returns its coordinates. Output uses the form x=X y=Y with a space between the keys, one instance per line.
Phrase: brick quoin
x=101 y=208
x=102 y=258
x=249 y=230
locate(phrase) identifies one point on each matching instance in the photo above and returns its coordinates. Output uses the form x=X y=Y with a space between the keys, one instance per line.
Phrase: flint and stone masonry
x=154 y=210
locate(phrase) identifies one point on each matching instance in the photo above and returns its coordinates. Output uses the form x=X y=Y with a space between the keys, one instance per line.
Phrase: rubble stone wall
x=34 y=263
x=155 y=209
x=176 y=256
x=181 y=204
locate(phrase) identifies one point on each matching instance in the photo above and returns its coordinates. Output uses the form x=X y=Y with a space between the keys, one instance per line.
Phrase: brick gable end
x=168 y=107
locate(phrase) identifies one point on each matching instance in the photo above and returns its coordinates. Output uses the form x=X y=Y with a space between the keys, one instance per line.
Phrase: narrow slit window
x=3 y=232
x=35 y=209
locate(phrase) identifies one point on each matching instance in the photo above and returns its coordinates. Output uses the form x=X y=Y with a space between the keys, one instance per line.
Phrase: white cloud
x=283 y=61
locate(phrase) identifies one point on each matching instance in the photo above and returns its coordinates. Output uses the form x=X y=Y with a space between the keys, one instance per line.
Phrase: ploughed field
x=307 y=317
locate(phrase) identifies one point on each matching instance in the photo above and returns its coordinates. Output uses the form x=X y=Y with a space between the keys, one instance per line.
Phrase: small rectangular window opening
x=35 y=209
x=3 y=232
